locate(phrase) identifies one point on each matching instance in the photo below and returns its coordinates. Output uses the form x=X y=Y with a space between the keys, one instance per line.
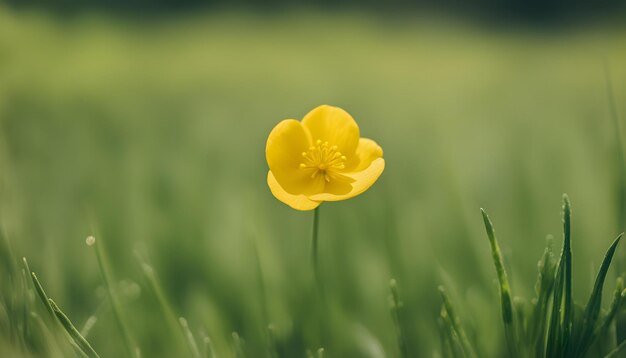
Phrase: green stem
x=319 y=289
x=314 y=251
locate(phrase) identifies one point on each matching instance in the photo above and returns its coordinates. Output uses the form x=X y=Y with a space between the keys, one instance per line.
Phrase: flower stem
x=314 y=240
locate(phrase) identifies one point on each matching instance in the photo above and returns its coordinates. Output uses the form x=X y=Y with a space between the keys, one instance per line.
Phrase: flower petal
x=333 y=125
x=283 y=153
x=296 y=201
x=363 y=180
x=285 y=145
x=366 y=152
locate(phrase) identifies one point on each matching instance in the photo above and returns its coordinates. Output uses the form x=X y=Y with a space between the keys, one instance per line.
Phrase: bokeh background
x=145 y=123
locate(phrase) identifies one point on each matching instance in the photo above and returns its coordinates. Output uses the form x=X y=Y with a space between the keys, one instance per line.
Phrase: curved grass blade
x=505 y=288
x=618 y=298
x=80 y=341
x=592 y=310
x=561 y=317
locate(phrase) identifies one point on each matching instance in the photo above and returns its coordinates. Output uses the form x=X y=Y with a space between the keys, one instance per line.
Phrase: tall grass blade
x=505 y=290
x=618 y=298
x=621 y=180
x=592 y=310
x=544 y=288
x=568 y=303
x=561 y=317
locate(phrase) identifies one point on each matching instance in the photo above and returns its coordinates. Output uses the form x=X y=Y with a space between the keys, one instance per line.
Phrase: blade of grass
x=618 y=298
x=544 y=288
x=567 y=250
x=455 y=346
x=47 y=336
x=49 y=308
x=42 y=295
x=207 y=345
x=592 y=310
x=554 y=329
x=271 y=339
x=320 y=353
x=505 y=290
x=621 y=180
x=396 y=307
x=93 y=319
x=446 y=350
x=169 y=315
x=131 y=348
x=82 y=343
x=239 y=346
x=456 y=324
x=26 y=283
x=195 y=352
x=561 y=316
x=617 y=351
x=89 y=324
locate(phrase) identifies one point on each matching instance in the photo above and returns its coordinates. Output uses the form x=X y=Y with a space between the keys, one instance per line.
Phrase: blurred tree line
x=525 y=10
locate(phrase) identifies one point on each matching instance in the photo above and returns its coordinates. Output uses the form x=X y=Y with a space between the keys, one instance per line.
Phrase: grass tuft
x=554 y=326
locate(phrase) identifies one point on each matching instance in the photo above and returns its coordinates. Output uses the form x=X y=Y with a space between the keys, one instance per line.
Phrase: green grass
x=551 y=324
x=149 y=134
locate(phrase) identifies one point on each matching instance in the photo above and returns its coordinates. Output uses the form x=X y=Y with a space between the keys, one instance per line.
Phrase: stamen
x=323 y=159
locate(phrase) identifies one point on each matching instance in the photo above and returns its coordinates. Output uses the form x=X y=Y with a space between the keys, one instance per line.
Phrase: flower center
x=323 y=159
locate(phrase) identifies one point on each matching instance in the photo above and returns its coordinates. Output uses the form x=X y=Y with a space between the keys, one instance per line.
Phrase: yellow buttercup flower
x=322 y=158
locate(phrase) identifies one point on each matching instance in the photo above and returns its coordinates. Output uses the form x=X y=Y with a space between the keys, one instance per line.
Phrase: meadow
x=149 y=134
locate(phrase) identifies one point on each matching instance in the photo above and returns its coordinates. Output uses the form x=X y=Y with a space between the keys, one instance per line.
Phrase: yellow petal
x=366 y=152
x=363 y=180
x=283 y=152
x=296 y=201
x=333 y=125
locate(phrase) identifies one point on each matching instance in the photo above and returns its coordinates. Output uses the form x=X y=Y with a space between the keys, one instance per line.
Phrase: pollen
x=323 y=160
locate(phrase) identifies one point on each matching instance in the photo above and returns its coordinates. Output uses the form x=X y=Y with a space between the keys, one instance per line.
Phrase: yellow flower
x=322 y=158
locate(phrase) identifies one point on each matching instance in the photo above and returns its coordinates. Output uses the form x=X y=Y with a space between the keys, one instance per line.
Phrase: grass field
x=149 y=134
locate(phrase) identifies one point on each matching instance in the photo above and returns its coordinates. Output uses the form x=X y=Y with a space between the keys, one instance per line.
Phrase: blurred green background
x=150 y=133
